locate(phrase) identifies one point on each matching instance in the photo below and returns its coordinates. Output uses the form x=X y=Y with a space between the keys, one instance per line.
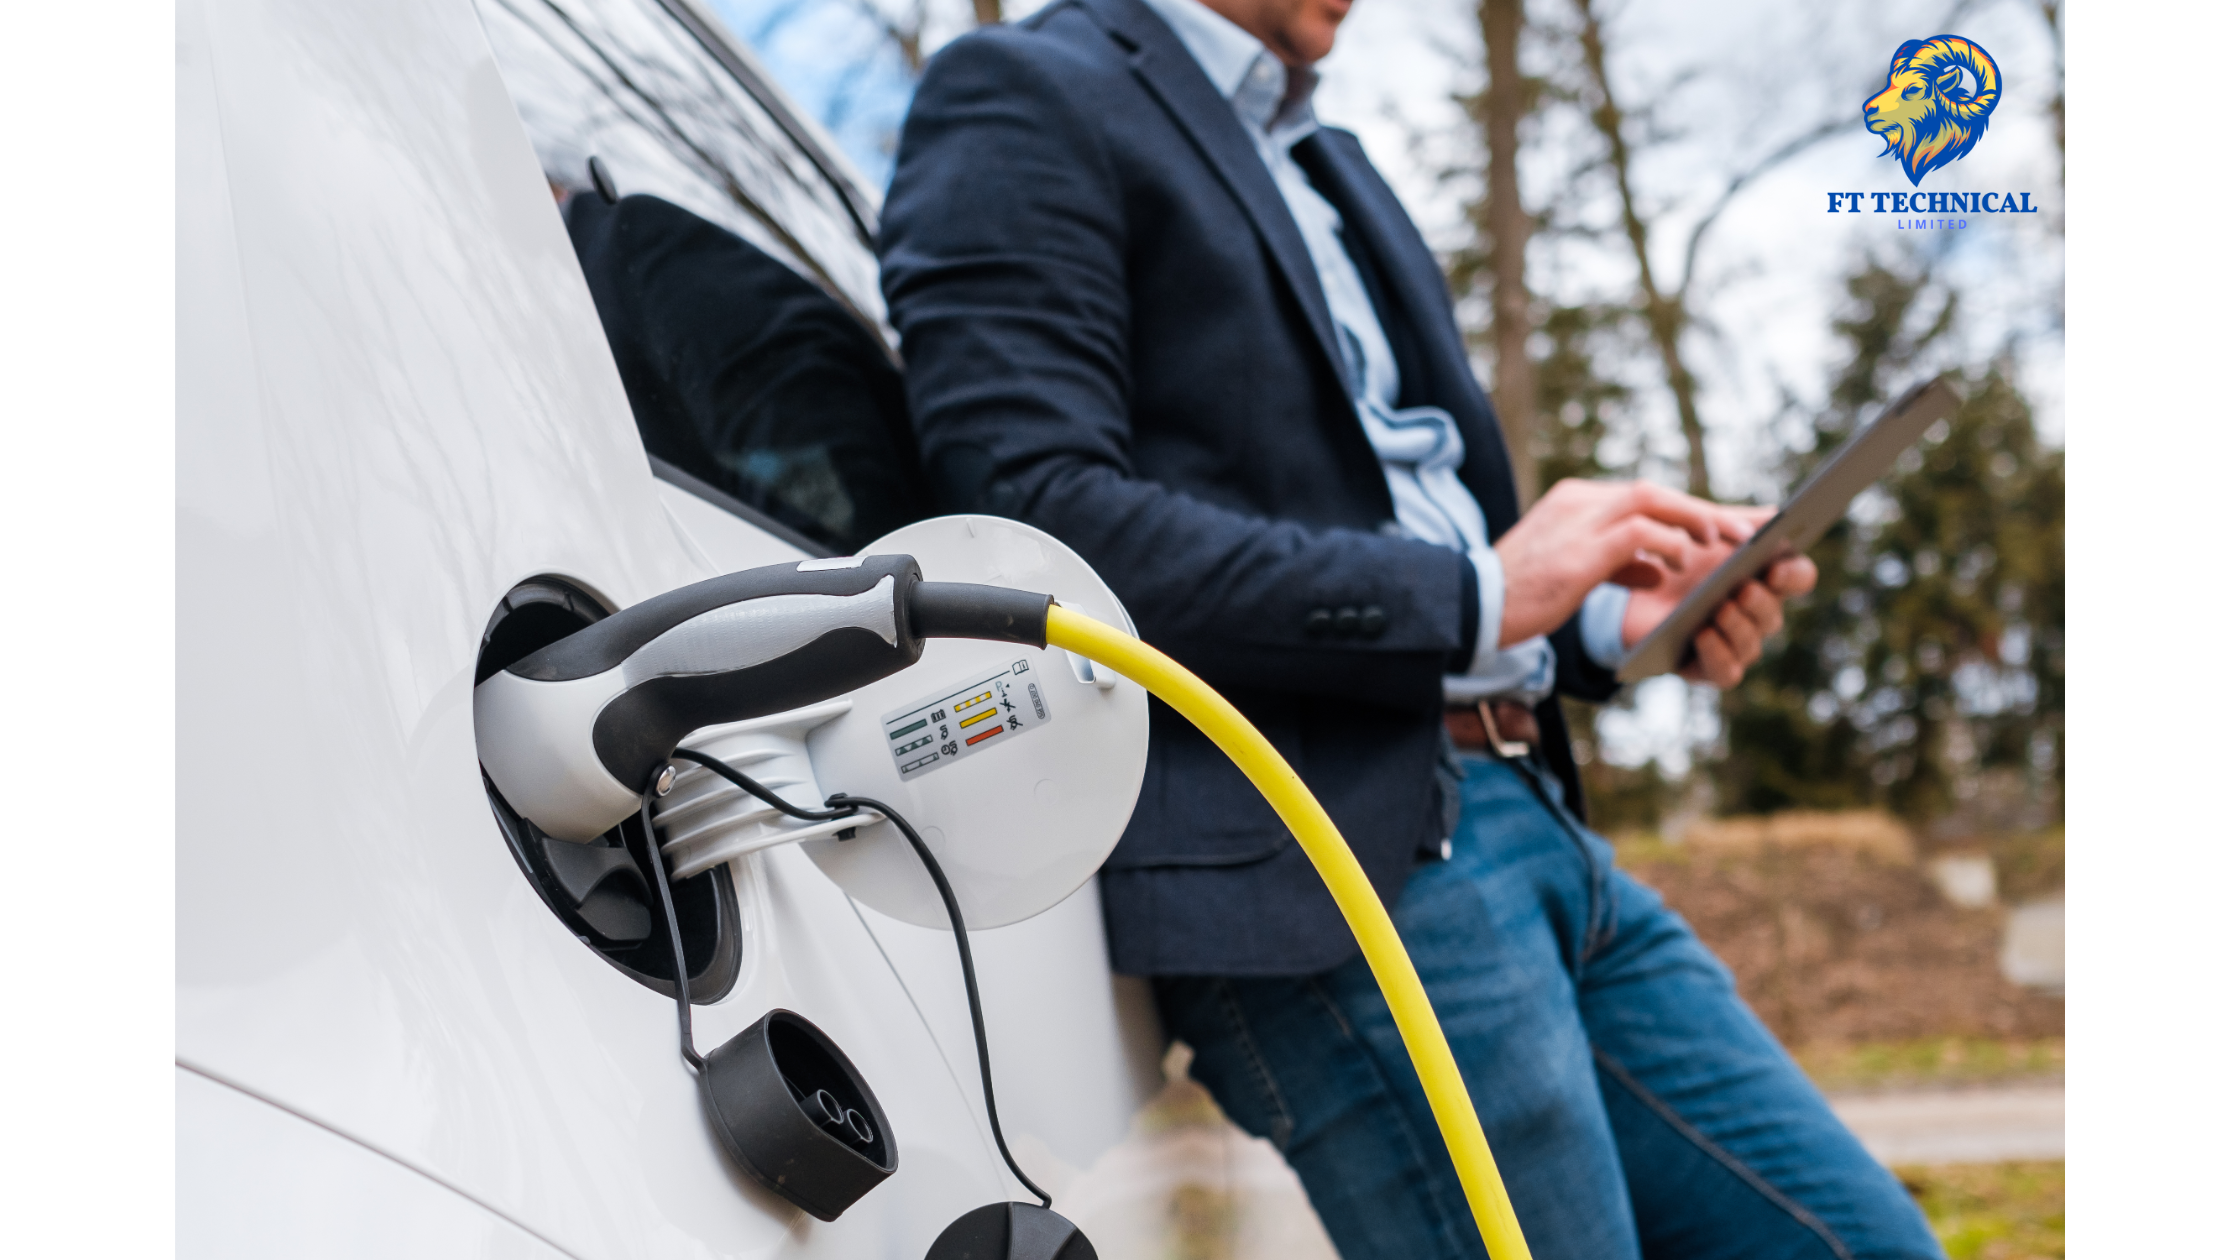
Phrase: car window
x=729 y=256
x=747 y=376
x=672 y=108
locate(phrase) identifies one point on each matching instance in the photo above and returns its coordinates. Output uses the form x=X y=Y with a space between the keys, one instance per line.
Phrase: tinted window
x=746 y=375
x=672 y=109
x=733 y=272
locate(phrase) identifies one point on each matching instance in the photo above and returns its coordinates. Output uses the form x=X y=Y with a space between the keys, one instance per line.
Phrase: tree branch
x=1832 y=127
x=1666 y=315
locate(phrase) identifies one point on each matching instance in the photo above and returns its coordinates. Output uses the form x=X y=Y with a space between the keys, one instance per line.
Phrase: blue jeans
x=1635 y=1105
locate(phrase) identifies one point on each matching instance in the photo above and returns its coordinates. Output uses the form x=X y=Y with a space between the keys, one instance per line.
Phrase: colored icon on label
x=991 y=704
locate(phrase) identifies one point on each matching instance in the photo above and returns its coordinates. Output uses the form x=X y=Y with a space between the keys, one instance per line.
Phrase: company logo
x=1935 y=104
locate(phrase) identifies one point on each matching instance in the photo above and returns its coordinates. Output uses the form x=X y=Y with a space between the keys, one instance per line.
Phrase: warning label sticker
x=947 y=728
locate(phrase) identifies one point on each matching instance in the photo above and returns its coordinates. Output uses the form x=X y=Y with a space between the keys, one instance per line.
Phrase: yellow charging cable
x=1356 y=898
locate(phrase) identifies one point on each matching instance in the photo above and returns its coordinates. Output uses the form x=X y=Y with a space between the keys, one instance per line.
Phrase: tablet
x=1818 y=504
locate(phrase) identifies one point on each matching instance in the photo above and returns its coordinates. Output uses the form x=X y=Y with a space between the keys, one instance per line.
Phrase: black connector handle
x=967 y=610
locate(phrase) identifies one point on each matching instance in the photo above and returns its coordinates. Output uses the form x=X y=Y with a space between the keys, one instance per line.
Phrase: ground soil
x=1829 y=945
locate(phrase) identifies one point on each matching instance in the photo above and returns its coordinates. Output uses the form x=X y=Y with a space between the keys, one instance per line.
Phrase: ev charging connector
x=572 y=734
x=661 y=709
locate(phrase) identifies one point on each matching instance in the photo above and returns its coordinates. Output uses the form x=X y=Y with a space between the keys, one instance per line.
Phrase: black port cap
x=796 y=1116
x=1011 y=1231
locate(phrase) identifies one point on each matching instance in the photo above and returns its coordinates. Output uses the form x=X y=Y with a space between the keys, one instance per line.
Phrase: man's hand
x=1735 y=636
x=1584 y=533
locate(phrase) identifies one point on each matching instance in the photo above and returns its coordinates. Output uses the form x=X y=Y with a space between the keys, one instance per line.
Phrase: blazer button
x=1372 y=621
x=1318 y=623
x=1347 y=623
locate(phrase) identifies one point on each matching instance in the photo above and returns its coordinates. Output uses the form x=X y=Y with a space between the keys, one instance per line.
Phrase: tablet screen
x=1818 y=504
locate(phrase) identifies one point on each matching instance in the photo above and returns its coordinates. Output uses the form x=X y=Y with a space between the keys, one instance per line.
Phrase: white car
x=407 y=1024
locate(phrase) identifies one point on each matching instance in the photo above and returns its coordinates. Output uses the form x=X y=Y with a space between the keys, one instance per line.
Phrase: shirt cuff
x=1602 y=625
x=1522 y=671
x=1493 y=589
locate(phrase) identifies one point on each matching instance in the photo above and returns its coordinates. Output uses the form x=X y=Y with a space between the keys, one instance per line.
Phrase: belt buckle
x=1507 y=750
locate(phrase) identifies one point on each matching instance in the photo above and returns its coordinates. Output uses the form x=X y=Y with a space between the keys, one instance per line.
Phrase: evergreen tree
x=1581 y=401
x=1925 y=672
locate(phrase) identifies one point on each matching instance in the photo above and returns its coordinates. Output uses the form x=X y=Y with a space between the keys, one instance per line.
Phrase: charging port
x=601 y=890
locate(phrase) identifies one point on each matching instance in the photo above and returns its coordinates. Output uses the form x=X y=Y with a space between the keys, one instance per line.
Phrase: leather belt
x=1504 y=728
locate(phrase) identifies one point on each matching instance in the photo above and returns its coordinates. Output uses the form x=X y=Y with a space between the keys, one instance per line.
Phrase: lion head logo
x=1928 y=113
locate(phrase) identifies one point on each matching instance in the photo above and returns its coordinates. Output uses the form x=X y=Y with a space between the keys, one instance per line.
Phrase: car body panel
x=258 y=1180
x=395 y=402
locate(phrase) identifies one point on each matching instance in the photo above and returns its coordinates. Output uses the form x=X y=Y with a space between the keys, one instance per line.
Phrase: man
x=1149 y=305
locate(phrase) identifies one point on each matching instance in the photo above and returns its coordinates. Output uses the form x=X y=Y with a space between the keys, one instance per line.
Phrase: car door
x=396 y=409
x=674 y=107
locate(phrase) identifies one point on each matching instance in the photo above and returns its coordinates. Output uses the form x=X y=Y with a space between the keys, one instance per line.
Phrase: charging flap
x=1018 y=765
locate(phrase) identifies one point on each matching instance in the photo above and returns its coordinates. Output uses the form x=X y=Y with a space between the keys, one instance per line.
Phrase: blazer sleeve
x=1577 y=674
x=1004 y=257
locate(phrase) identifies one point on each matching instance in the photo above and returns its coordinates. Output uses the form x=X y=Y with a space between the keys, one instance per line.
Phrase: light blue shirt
x=1420 y=448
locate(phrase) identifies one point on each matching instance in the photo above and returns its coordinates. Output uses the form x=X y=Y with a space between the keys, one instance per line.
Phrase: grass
x=1993 y=1211
x=1637 y=848
x=1930 y=1061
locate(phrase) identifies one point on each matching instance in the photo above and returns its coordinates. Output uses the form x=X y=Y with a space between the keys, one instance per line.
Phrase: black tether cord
x=841 y=805
x=660 y=872
x=971 y=982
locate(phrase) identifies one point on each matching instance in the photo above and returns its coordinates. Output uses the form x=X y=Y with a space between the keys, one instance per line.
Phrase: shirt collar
x=1265 y=93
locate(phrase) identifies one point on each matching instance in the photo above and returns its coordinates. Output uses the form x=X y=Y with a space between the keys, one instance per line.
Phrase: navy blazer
x=1113 y=331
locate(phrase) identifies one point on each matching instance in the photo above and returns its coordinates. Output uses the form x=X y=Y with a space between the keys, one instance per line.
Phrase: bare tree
x=908 y=31
x=1666 y=313
x=1666 y=310
x=1504 y=228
